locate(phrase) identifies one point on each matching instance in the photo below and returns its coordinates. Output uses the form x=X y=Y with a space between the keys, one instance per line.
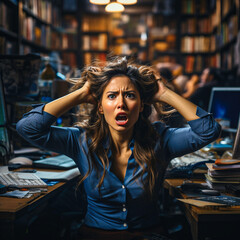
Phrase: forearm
x=65 y=103
x=182 y=105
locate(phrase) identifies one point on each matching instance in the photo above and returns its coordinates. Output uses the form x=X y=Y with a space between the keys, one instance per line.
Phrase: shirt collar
x=106 y=143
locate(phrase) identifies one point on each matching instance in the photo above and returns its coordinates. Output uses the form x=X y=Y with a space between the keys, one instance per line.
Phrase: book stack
x=222 y=173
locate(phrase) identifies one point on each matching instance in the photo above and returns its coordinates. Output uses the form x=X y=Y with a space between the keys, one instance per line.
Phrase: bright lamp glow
x=99 y=2
x=127 y=2
x=114 y=7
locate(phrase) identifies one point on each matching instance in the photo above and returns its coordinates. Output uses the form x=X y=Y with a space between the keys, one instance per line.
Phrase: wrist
x=81 y=96
x=166 y=96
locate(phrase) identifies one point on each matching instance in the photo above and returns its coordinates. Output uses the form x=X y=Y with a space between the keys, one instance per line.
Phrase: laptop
x=236 y=147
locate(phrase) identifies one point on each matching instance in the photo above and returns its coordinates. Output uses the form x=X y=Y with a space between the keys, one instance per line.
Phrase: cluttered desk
x=30 y=179
x=28 y=191
x=211 y=204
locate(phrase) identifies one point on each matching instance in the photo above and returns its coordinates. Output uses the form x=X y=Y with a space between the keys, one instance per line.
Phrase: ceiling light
x=127 y=2
x=99 y=2
x=114 y=7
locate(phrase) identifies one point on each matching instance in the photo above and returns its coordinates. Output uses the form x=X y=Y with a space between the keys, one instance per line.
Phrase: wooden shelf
x=227 y=45
x=9 y=34
x=35 y=46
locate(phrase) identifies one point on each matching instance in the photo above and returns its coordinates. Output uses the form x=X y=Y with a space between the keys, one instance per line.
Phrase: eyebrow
x=128 y=91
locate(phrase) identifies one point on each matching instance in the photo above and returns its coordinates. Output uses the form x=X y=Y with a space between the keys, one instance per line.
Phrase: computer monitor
x=5 y=144
x=224 y=104
x=20 y=75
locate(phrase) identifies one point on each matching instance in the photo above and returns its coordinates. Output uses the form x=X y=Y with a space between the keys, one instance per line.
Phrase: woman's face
x=120 y=104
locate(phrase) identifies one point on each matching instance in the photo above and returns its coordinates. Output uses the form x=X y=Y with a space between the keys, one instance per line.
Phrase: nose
x=121 y=102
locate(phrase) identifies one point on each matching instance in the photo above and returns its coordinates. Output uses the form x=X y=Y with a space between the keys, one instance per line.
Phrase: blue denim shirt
x=121 y=205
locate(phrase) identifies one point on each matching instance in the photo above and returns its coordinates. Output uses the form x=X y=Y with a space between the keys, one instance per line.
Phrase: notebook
x=56 y=162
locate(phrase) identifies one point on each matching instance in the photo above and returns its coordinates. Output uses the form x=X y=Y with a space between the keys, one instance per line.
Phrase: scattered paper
x=63 y=175
x=16 y=194
x=199 y=203
x=4 y=169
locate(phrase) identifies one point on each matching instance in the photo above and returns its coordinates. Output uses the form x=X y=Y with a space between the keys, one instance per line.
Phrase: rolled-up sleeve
x=36 y=127
x=180 y=141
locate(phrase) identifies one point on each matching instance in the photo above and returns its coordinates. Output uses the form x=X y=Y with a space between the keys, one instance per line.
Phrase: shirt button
x=125 y=225
x=123 y=186
x=124 y=209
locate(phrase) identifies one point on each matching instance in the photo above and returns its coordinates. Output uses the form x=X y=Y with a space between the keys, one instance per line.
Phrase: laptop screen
x=224 y=105
x=236 y=147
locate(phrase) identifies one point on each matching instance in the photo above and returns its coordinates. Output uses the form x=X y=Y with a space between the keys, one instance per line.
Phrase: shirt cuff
x=205 y=123
x=202 y=113
x=37 y=108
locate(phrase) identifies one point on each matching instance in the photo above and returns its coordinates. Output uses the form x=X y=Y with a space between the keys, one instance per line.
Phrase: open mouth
x=121 y=119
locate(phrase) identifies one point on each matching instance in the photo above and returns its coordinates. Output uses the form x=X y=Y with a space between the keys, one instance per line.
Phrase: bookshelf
x=227 y=34
x=40 y=23
x=130 y=35
x=209 y=34
x=195 y=35
x=71 y=19
x=95 y=34
x=30 y=26
x=164 y=36
x=9 y=37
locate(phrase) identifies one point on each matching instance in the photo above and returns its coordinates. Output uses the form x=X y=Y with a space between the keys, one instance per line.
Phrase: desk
x=16 y=214
x=206 y=223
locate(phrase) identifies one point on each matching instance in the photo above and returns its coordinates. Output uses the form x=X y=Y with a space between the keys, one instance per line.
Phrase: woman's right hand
x=87 y=95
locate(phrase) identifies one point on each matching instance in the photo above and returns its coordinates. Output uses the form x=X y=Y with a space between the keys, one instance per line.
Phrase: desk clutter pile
x=24 y=182
x=192 y=165
x=221 y=186
x=224 y=175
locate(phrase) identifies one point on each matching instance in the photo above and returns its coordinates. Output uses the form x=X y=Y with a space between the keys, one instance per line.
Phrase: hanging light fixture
x=99 y=2
x=127 y=2
x=114 y=7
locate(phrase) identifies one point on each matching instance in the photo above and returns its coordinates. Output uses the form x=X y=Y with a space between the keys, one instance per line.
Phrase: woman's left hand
x=161 y=90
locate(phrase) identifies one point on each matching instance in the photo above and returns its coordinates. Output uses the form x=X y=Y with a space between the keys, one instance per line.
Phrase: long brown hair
x=145 y=80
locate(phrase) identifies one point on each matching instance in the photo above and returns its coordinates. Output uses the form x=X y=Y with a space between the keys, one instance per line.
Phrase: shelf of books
x=29 y=26
x=196 y=35
x=8 y=27
x=69 y=50
x=226 y=40
x=130 y=36
x=95 y=34
x=163 y=38
x=39 y=26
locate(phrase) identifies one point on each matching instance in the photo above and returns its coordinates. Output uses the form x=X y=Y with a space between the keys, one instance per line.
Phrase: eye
x=130 y=95
x=111 y=96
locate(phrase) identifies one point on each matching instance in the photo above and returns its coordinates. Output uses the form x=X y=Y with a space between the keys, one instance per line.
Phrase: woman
x=120 y=154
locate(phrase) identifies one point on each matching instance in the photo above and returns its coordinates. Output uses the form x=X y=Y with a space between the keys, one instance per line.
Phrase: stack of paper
x=223 y=172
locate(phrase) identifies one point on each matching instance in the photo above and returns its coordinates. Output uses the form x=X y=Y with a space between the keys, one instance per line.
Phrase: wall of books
x=209 y=34
x=8 y=29
x=95 y=32
x=29 y=26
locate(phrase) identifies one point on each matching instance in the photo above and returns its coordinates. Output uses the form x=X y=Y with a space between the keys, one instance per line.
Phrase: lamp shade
x=127 y=2
x=114 y=7
x=99 y=2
